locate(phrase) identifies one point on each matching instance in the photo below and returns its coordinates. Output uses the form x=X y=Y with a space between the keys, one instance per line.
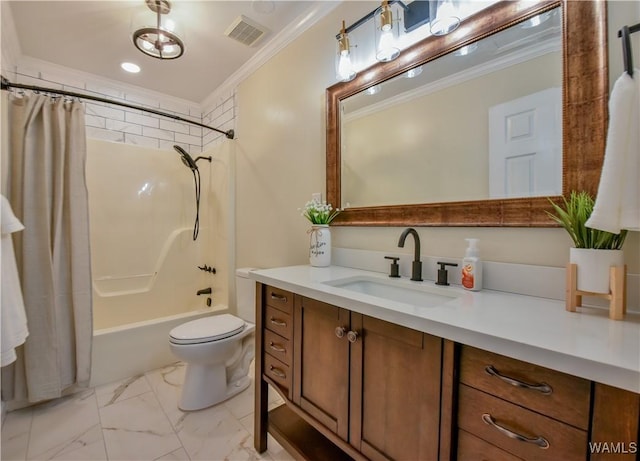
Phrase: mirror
x=367 y=173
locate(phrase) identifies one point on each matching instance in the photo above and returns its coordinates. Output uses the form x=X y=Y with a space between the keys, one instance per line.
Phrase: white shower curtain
x=47 y=190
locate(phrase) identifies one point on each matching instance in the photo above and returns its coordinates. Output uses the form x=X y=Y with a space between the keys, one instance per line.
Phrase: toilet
x=217 y=350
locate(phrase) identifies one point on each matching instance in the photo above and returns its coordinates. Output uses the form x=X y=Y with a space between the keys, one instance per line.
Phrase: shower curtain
x=47 y=190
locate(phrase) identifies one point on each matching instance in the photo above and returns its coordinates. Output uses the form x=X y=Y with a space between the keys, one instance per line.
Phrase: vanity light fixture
x=344 y=67
x=386 y=34
x=537 y=20
x=466 y=50
x=411 y=73
x=446 y=19
x=160 y=41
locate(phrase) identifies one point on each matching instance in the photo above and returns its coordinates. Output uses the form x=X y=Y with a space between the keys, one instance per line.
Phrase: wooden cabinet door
x=395 y=391
x=321 y=363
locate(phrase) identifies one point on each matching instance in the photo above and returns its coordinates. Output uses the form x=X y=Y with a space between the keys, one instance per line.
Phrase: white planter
x=593 y=267
x=320 y=245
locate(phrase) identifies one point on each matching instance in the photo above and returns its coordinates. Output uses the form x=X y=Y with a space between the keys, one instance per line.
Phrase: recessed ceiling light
x=130 y=67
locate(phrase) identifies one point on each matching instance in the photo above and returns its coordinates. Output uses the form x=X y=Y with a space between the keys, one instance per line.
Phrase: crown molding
x=315 y=12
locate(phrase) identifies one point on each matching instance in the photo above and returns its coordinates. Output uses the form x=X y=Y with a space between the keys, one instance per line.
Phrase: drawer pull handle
x=278 y=322
x=278 y=372
x=538 y=441
x=543 y=388
x=276 y=347
x=277 y=297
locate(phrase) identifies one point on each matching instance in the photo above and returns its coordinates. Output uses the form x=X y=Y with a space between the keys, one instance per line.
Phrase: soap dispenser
x=472 y=267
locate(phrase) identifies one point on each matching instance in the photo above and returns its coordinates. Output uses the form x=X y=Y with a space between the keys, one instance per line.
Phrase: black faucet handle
x=443 y=273
x=395 y=268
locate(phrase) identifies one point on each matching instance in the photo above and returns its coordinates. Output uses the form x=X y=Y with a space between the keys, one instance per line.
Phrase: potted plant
x=320 y=215
x=595 y=250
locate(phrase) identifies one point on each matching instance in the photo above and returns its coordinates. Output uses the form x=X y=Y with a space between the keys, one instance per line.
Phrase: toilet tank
x=245 y=295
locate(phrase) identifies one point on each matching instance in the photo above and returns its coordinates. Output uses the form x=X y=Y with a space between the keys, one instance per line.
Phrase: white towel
x=13 y=318
x=617 y=204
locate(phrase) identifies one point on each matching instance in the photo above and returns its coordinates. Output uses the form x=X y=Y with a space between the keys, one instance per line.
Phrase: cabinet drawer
x=558 y=395
x=471 y=448
x=278 y=347
x=499 y=423
x=279 y=322
x=280 y=299
x=278 y=372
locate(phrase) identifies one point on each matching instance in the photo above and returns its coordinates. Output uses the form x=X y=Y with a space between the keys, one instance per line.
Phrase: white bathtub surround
x=137 y=348
x=48 y=194
x=136 y=418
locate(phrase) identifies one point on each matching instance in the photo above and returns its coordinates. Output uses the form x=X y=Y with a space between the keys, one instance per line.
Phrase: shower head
x=186 y=158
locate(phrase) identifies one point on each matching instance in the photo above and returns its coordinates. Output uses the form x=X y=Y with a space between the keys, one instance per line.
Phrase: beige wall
x=281 y=161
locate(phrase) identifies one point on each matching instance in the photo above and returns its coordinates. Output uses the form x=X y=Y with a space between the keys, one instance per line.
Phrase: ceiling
x=96 y=36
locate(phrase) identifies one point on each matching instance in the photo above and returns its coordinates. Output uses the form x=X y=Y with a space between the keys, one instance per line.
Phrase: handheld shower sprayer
x=191 y=163
x=186 y=158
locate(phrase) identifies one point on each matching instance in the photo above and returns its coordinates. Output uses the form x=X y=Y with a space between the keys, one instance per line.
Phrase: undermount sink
x=396 y=290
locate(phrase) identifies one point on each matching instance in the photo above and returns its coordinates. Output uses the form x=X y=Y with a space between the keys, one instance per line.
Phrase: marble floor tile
x=137 y=429
x=108 y=394
x=15 y=435
x=212 y=434
x=64 y=425
x=137 y=419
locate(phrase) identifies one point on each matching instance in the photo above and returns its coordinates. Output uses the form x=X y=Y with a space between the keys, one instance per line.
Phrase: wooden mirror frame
x=584 y=118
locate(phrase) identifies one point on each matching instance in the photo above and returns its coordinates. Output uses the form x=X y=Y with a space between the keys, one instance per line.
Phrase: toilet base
x=206 y=385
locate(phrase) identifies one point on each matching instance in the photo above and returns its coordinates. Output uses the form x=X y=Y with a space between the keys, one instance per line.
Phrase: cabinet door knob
x=543 y=388
x=539 y=440
x=340 y=331
x=352 y=336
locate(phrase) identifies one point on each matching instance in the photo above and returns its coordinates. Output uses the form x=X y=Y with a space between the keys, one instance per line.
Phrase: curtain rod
x=6 y=84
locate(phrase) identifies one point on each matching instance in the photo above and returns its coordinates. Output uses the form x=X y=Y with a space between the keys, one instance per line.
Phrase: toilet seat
x=207 y=329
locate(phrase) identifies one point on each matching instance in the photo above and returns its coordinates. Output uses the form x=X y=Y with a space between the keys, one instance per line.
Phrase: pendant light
x=386 y=34
x=159 y=42
x=344 y=67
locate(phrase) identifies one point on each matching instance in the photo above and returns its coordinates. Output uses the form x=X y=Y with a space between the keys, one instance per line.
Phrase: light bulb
x=345 y=67
x=387 y=50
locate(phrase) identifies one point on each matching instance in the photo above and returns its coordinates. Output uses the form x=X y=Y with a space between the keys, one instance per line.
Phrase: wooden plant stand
x=617 y=295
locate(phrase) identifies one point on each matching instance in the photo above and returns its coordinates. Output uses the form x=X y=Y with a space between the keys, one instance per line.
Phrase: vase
x=593 y=267
x=320 y=245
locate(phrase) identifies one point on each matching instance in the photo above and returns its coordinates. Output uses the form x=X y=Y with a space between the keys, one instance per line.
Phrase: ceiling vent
x=245 y=31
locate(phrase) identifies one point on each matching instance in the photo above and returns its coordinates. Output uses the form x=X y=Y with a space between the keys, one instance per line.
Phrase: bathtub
x=129 y=350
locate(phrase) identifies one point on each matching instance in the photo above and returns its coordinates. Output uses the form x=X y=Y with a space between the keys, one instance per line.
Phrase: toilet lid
x=207 y=329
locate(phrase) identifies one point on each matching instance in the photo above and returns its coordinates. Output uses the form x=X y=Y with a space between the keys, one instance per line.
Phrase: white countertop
x=537 y=330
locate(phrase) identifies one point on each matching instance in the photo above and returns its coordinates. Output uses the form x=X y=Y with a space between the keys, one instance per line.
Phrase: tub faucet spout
x=204 y=291
x=416 y=266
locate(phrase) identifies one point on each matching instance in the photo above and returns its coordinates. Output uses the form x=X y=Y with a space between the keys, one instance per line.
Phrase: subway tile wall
x=120 y=124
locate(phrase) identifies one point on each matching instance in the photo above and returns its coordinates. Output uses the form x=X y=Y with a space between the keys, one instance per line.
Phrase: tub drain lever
x=204 y=291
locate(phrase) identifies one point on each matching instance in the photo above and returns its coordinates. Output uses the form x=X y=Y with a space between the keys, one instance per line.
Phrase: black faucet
x=416 y=266
x=204 y=291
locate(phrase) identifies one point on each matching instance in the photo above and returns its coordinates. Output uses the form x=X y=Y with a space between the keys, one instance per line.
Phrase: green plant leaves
x=573 y=215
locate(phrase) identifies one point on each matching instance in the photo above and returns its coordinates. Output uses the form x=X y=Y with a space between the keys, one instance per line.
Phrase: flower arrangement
x=573 y=215
x=319 y=213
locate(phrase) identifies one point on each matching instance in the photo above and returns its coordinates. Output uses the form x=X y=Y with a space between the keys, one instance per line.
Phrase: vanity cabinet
x=369 y=386
x=357 y=387
x=510 y=409
x=375 y=384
